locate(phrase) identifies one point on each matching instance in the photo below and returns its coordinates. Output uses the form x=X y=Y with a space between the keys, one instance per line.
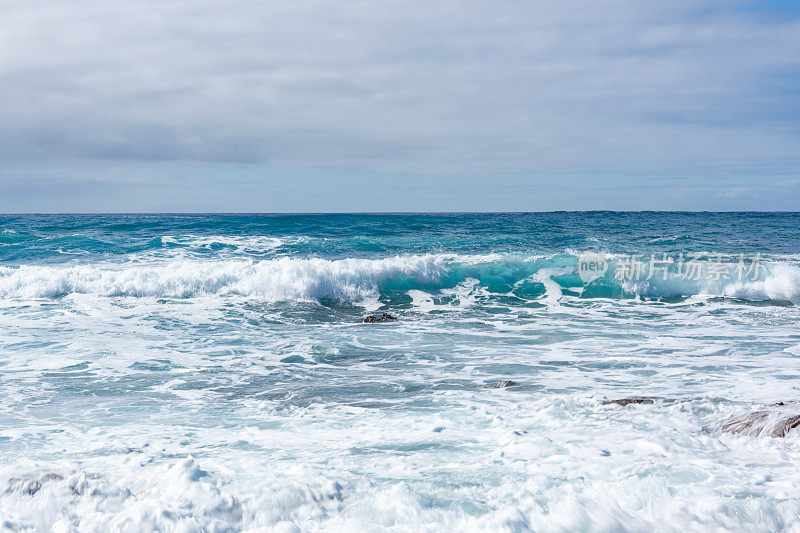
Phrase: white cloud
x=653 y=88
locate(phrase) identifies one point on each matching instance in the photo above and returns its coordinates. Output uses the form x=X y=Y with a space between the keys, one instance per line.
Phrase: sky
x=323 y=106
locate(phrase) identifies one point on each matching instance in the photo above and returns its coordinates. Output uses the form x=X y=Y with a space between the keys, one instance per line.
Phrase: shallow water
x=212 y=372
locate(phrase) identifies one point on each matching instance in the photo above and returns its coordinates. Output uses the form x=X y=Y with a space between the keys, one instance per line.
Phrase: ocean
x=214 y=372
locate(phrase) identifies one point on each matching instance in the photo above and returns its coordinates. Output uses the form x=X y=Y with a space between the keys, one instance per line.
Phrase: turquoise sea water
x=212 y=372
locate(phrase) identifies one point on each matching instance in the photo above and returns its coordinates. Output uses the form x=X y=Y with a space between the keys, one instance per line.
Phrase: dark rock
x=761 y=424
x=791 y=423
x=502 y=384
x=385 y=316
x=636 y=399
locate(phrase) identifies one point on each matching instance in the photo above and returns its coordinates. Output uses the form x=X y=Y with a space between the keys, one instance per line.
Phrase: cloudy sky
x=244 y=105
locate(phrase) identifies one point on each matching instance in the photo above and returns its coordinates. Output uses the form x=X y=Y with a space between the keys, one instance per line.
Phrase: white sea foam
x=240 y=243
x=782 y=283
x=143 y=415
x=486 y=460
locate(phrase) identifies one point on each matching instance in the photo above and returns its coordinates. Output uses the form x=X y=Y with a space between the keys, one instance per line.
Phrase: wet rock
x=31 y=485
x=385 y=316
x=635 y=399
x=791 y=423
x=503 y=384
x=749 y=424
x=761 y=424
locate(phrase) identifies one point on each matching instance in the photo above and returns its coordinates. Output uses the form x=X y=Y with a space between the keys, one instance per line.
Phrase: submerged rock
x=635 y=399
x=761 y=424
x=31 y=485
x=385 y=316
x=503 y=384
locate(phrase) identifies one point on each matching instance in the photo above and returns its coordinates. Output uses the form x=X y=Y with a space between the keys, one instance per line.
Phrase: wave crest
x=353 y=280
x=273 y=280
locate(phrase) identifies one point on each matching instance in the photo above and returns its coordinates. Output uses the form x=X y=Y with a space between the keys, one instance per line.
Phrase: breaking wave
x=352 y=280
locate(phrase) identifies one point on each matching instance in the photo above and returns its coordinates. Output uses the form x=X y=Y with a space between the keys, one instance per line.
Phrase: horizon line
x=320 y=213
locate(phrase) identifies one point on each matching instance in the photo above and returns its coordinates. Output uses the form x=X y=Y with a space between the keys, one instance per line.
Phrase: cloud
x=681 y=88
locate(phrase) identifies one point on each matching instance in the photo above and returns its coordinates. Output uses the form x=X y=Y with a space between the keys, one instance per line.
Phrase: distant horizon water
x=367 y=213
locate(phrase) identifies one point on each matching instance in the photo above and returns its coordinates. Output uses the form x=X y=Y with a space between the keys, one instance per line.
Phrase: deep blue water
x=60 y=237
